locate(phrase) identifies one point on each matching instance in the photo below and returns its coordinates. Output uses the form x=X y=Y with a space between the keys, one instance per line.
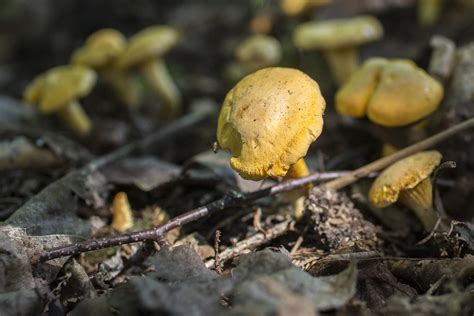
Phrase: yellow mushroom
x=353 y=97
x=146 y=50
x=122 y=213
x=338 y=39
x=58 y=89
x=268 y=120
x=408 y=182
x=391 y=93
x=255 y=52
x=100 y=52
x=101 y=49
x=300 y=7
x=259 y=51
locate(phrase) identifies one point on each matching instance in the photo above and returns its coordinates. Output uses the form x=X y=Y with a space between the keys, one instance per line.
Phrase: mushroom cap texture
x=258 y=51
x=101 y=49
x=337 y=33
x=268 y=120
x=152 y=42
x=60 y=85
x=403 y=175
x=390 y=92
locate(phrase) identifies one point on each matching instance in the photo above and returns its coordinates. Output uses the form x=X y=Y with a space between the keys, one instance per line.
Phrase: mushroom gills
x=420 y=200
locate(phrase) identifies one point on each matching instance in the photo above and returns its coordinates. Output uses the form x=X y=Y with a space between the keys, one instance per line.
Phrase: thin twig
x=433 y=288
x=309 y=262
x=437 y=203
x=407 y=151
x=252 y=242
x=217 y=259
x=257 y=220
x=152 y=139
x=235 y=200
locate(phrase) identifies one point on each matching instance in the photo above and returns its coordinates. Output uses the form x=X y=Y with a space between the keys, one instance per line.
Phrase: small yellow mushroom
x=259 y=51
x=146 y=50
x=122 y=213
x=255 y=52
x=100 y=52
x=338 y=39
x=391 y=93
x=301 y=7
x=268 y=121
x=101 y=49
x=58 y=89
x=408 y=182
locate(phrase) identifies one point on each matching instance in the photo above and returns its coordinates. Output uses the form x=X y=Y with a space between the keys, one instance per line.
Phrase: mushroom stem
x=76 y=118
x=298 y=170
x=163 y=85
x=297 y=197
x=388 y=149
x=420 y=201
x=126 y=89
x=343 y=63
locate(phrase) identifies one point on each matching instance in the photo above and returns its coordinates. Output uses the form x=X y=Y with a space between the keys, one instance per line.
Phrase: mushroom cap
x=60 y=85
x=152 y=42
x=337 y=33
x=268 y=120
x=354 y=96
x=390 y=92
x=403 y=175
x=101 y=49
x=259 y=51
x=405 y=94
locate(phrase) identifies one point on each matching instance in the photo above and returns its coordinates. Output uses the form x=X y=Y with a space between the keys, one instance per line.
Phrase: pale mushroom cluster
x=100 y=52
x=108 y=55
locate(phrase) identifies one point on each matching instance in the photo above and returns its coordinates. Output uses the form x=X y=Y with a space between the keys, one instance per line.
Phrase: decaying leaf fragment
x=182 y=285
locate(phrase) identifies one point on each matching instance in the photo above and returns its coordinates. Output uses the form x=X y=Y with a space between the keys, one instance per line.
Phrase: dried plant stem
x=252 y=242
x=234 y=200
x=407 y=151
